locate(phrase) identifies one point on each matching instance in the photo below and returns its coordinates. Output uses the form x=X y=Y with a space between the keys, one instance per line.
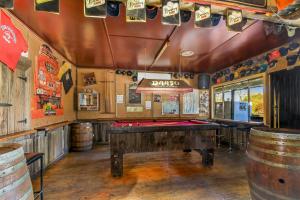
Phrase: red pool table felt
x=150 y=123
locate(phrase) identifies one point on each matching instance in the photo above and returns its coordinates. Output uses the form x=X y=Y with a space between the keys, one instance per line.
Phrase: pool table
x=160 y=135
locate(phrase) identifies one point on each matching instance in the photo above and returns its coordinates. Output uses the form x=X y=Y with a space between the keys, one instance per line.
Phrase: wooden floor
x=170 y=175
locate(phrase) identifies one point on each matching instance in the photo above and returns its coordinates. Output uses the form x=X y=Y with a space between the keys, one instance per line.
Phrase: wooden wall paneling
x=41 y=145
x=67 y=138
x=56 y=144
x=18 y=99
x=101 y=135
x=4 y=97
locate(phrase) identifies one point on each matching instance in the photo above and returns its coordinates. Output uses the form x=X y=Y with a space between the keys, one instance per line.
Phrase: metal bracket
x=23 y=78
x=5 y=105
x=23 y=121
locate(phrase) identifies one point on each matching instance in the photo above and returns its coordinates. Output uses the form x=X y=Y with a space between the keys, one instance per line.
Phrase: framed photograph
x=132 y=97
x=89 y=79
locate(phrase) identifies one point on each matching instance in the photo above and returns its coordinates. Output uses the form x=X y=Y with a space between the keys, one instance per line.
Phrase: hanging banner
x=47 y=5
x=202 y=16
x=12 y=42
x=9 y=4
x=171 y=13
x=135 y=11
x=47 y=86
x=234 y=20
x=95 y=8
x=252 y=3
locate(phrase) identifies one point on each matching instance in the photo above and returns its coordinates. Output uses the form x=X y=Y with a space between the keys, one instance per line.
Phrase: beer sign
x=171 y=13
x=234 y=20
x=135 y=11
x=95 y=8
x=202 y=15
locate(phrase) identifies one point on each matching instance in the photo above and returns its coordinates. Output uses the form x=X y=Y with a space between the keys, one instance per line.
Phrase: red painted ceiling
x=113 y=43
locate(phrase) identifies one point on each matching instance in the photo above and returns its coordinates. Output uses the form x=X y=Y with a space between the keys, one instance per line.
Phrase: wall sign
x=170 y=12
x=95 y=8
x=47 y=86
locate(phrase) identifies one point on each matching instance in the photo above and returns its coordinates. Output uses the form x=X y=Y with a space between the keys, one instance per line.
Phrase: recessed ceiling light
x=186 y=53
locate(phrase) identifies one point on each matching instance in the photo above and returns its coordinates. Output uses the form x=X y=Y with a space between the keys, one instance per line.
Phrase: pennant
x=95 y=8
x=67 y=80
x=202 y=15
x=234 y=20
x=135 y=11
x=171 y=13
x=47 y=5
x=9 y=4
x=12 y=40
x=63 y=69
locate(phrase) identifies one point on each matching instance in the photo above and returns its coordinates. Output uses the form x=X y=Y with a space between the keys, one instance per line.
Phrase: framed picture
x=89 y=79
x=132 y=97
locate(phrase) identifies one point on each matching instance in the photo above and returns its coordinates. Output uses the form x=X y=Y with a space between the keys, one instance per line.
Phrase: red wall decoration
x=47 y=86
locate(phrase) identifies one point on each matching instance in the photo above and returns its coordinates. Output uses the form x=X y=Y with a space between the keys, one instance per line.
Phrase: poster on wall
x=170 y=106
x=133 y=98
x=191 y=102
x=47 y=86
x=204 y=102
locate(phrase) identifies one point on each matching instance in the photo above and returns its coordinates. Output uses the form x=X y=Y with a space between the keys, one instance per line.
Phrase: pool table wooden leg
x=117 y=164
x=207 y=157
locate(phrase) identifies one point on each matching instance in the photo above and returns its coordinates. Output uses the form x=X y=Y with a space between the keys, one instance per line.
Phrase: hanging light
x=164 y=86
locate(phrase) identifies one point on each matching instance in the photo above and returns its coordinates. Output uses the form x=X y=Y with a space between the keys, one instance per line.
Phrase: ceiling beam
x=109 y=43
x=163 y=47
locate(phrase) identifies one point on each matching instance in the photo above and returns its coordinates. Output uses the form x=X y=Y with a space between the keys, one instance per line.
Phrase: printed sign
x=135 y=11
x=9 y=4
x=47 y=86
x=171 y=14
x=95 y=8
x=253 y=3
x=202 y=15
x=234 y=20
x=47 y=5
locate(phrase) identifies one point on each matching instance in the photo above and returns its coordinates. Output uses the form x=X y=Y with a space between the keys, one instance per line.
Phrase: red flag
x=12 y=42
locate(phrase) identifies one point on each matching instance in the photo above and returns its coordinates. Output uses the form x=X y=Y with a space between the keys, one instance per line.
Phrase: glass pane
x=218 y=103
x=241 y=107
x=227 y=105
x=256 y=103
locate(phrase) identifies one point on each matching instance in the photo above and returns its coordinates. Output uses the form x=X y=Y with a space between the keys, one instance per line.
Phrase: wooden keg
x=82 y=137
x=15 y=180
x=273 y=164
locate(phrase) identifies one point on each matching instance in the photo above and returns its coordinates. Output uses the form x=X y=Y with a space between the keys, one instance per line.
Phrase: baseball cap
x=151 y=12
x=113 y=8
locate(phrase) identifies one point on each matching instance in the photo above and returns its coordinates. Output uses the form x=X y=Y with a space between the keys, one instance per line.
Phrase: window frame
x=261 y=76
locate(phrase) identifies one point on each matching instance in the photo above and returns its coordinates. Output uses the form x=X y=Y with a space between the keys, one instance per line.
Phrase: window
x=219 y=103
x=241 y=101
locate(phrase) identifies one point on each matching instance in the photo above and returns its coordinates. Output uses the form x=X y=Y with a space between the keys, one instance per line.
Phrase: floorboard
x=172 y=175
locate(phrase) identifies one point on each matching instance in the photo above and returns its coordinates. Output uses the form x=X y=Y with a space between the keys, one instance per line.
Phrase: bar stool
x=230 y=128
x=245 y=131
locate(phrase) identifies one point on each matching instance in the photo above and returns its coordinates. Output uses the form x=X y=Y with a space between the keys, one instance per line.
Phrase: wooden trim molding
x=8 y=137
x=53 y=126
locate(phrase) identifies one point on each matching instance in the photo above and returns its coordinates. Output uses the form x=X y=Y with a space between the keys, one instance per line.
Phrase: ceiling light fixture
x=187 y=53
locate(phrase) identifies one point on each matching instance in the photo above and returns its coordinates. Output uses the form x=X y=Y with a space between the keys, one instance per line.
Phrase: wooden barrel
x=15 y=180
x=82 y=137
x=273 y=164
